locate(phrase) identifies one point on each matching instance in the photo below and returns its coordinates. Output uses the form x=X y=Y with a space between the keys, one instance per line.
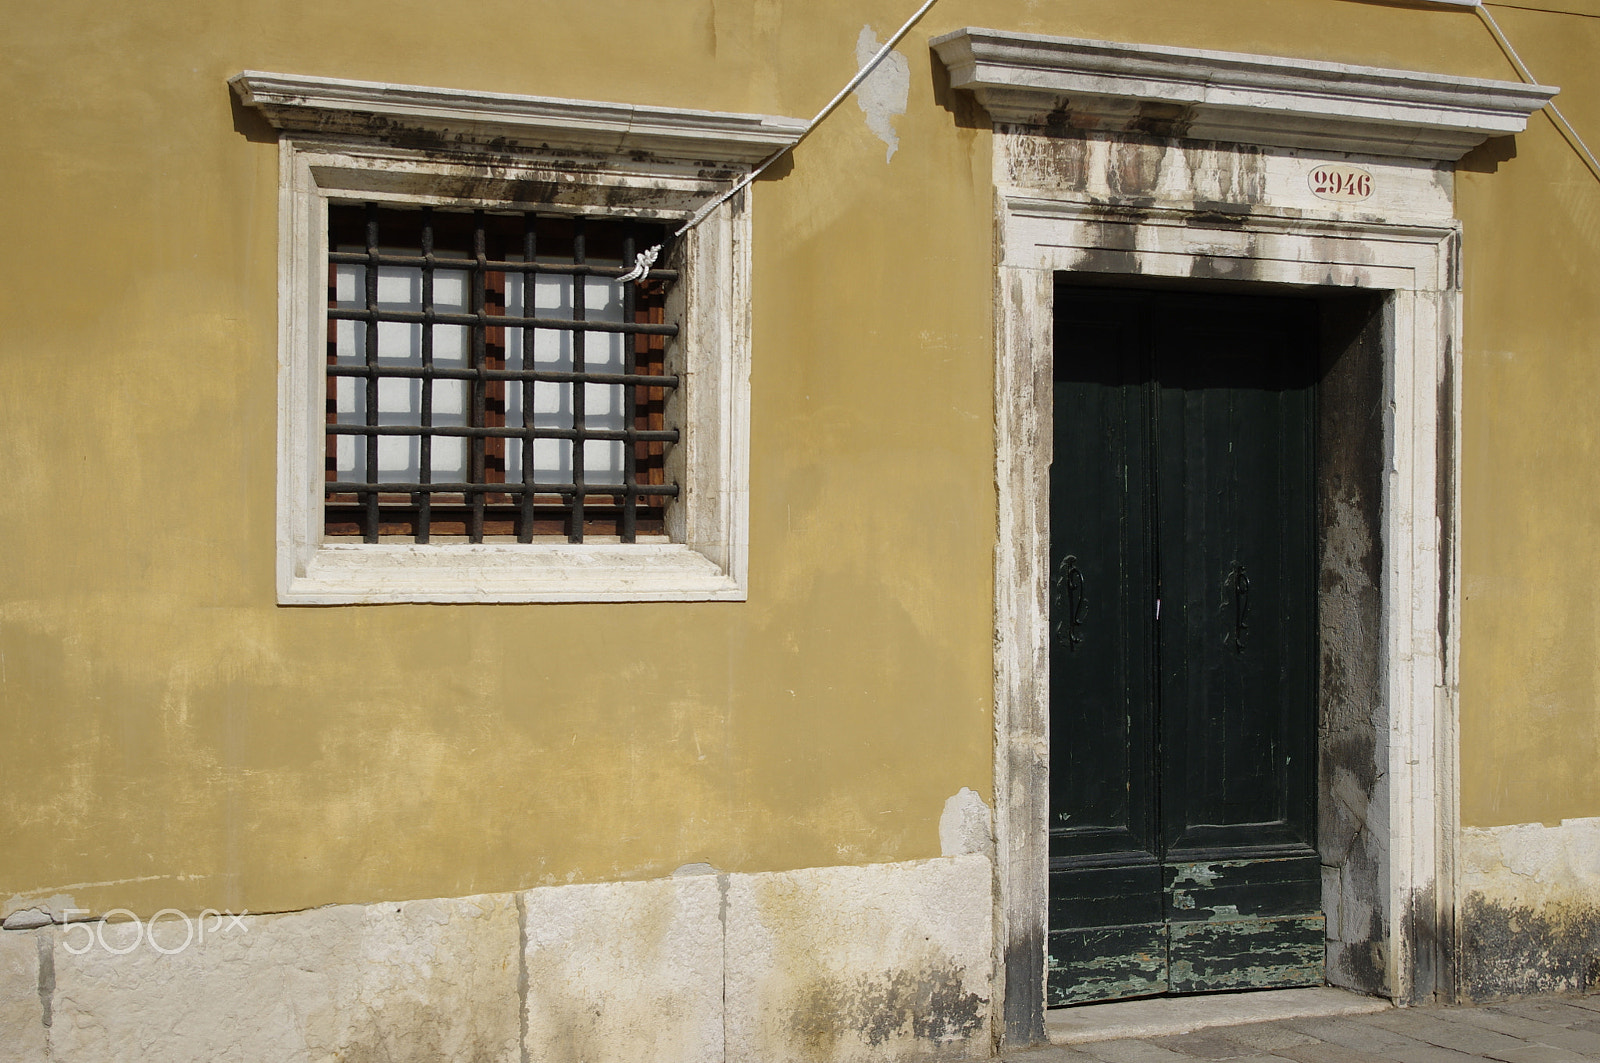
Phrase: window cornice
x=489 y=120
x=1027 y=79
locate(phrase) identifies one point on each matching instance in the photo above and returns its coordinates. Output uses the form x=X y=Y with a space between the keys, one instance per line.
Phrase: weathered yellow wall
x=170 y=737
x=174 y=735
x=1530 y=659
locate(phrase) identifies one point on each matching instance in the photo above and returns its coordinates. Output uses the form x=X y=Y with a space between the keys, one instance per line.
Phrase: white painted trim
x=1416 y=264
x=380 y=110
x=1023 y=400
x=707 y=559
x=1023 y=78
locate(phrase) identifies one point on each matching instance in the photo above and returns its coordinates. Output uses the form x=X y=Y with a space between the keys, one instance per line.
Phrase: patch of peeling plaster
x=884 y=93
x=1531 y=917
x=1532 y=864
x=964 y=826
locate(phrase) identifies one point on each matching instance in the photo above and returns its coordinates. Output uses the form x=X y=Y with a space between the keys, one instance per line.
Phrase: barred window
x=471 y=408
x=489 y=381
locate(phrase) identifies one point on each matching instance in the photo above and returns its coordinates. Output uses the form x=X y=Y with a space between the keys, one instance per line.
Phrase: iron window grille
x=487 y=379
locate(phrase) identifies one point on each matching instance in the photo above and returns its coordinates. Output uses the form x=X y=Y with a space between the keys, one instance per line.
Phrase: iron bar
x=477 y=320
x=357 y=487
x=579 y=390
x=553 y=376
x=371 y=290
x=475 y=357
x=465 y=263
x=425 y=443
x=664 y=435
x=629 y=401
x=530 y=251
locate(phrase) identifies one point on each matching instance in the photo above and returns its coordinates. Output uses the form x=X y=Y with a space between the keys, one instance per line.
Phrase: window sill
x=355 y=574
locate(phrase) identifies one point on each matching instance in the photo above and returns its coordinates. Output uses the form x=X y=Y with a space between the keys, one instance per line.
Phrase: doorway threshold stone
x=1163 y=1016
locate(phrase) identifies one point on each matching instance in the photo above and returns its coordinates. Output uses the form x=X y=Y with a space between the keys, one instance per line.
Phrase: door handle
x=1239 y=582
x=1071 y=604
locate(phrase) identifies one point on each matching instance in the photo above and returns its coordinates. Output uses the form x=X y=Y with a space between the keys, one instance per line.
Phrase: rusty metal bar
x=496 y=265
x=414 y=317
x=630 y=512
x=425 y=443
x=475 y=358
x=530 y=249
x=665 y=435
x=579 y=398
x=370 y=532
x=546 y=375
x=358 y=487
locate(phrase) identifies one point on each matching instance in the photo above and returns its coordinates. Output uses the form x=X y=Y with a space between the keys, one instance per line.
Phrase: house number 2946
x=1347 y=184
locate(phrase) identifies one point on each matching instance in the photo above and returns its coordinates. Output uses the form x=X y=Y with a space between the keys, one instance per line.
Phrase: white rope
x=641 y=265
x=861 y=75
x=1560 y=120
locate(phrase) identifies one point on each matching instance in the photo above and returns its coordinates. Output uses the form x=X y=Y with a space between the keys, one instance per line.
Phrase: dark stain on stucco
x=1113 y=245
x=47 y=973
x=1365 y=963
x=931 y=1006
x=1350 y=447
x=1518 y=950
x=1210 y=267
x=1222 y=216
x=1422 y=926
x=1023 y=1018
x=1162 y=119
x=1057 y=123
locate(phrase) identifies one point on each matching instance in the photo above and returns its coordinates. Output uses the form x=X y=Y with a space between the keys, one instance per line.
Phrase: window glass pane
x=552 y=402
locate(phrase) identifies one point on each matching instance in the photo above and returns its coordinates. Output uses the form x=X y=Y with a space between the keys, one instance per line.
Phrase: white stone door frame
x=1416 y=265
x=1147 y=161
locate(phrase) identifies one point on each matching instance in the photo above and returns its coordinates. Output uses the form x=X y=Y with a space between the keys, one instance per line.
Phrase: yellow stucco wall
x=173 y=738
x=1530 y=670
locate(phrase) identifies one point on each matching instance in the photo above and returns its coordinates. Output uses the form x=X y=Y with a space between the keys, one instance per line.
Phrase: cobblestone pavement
x=1544 y=1030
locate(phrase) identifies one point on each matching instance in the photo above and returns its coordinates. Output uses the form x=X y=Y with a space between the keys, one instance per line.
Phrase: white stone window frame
x=396 y=145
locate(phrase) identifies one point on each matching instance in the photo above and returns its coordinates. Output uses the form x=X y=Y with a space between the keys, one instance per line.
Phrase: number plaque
x=1343 y=184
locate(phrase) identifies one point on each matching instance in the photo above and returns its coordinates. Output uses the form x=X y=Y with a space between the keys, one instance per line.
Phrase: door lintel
x=1026 y=79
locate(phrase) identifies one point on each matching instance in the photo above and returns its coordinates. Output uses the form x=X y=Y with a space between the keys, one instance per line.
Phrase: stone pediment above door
x=1175 y=126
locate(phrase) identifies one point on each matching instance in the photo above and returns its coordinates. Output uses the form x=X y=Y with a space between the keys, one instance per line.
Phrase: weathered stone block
x=419 y=980
x=629 y=972
x=847 y=964
x=21 y=1010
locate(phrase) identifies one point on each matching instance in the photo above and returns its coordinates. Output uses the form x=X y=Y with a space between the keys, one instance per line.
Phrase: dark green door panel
x=1182 y=646
x=1237 y=577
x=1102 y=640
x=1108 y=934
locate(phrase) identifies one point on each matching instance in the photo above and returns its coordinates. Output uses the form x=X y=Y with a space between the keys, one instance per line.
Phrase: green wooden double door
x=1183 y=641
